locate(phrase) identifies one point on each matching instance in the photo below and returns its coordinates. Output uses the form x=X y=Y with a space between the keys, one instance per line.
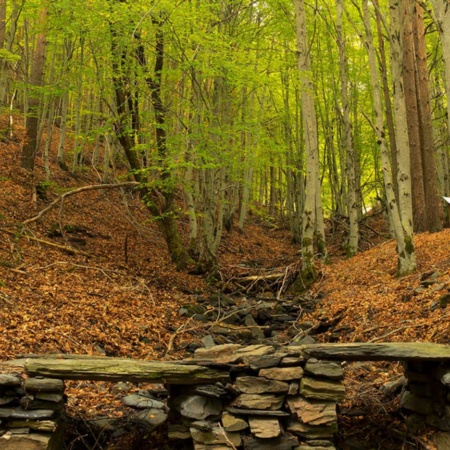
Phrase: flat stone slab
x=265 y=427
x=390 y=351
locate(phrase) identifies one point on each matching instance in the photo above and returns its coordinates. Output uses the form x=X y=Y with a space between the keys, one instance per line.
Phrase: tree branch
x=61 y=198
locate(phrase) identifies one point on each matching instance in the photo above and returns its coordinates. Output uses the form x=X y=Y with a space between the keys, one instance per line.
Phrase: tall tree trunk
x=442 y=17
x=433 y=203
x=31 y=145
x=347 y=140
x=310 y=228
x=412 y=111
x=392 y=204
x=405 y=244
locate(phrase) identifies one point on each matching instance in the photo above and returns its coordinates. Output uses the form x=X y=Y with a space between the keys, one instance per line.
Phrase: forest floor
x=93 y=276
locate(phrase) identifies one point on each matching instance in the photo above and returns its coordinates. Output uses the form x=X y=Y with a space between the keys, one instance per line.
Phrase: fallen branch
x=62 y=197
x=51 y=244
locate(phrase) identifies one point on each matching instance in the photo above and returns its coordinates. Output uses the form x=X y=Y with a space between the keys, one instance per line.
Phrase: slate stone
x=320 y=443
x=254 y=328
x=40 y=425
x=265 y=427
x=232 y=353
x=208 y=341
x=312 y=431
x=233 y=423
x=141 y=402
x=178 y=431
x=32 y=441
x=291 y=361
x=262 y=362
x=212 y=391
x=256 y=412
x=7 y=400
x=445 y=379
x=326 y=369
x=259 y=385
x=216 y=435
x=19 y=413
x=261 y=401
x=284 y=442
x=9 y=380
x=313 y=412
x=152 y=417
x=282 y=373
x=43 y=385
x=417 y=404
x=49 y=397
x=322 y=390
x=197 y=407
x=199 y=446
x=202 y=425
x=442 y=423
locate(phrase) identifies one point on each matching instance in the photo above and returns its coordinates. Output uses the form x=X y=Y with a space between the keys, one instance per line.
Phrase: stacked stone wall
x=31 y=410
x=272 y=401
x=427 y=394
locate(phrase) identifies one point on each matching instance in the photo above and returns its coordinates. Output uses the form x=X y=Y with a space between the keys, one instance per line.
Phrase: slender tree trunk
x=405 y=245
x=311 y=208
x=347 y=141
x=31 y=145
x=409 y=82
x=392 y=204
x=433 y=203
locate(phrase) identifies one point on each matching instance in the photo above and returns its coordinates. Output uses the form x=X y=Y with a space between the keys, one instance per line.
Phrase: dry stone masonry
x=30 y=412
x=258 y=397
x=274 y=400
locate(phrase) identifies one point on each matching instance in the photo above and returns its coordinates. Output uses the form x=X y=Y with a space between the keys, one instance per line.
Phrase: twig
x=226 y=437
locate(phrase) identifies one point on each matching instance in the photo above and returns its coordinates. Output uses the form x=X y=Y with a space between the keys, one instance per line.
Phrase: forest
x=154 y=153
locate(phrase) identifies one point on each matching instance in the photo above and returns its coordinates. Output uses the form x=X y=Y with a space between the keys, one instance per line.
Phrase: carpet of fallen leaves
x=116 y=292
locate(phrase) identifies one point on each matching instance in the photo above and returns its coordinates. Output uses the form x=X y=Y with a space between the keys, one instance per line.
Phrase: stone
x=312 y=431
x=43 y=385
x=440 y=441
x=152 y=417
x=233 y=423
x=216 y=435
x=7 y=400
x=314 y=447
x=9 y=380
x=235 y=331
x=261 y=401
x=177 y=431
x=417 y=404
x=313 y=412
x=256 y=412
x=265 y=427
x=442 y=423
x=197 y=407
x=371 y=351
x=262 y=362
x=291 y=361
x=24 y=442
x=121 y=387
x=322 y=390
x=141 y=402
x=258 y=385
x=445 y=379
x=199 y=446
x=49 y=397
x=326 y=369
x=284 y=442
x=208 y=341
x=320 y=443
x=202 y=425
x=40 y=425
x=212 y=391
x=19 y=413
x=254 y=328
x=393 y=387
x=232 y=353
x=282 y=373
